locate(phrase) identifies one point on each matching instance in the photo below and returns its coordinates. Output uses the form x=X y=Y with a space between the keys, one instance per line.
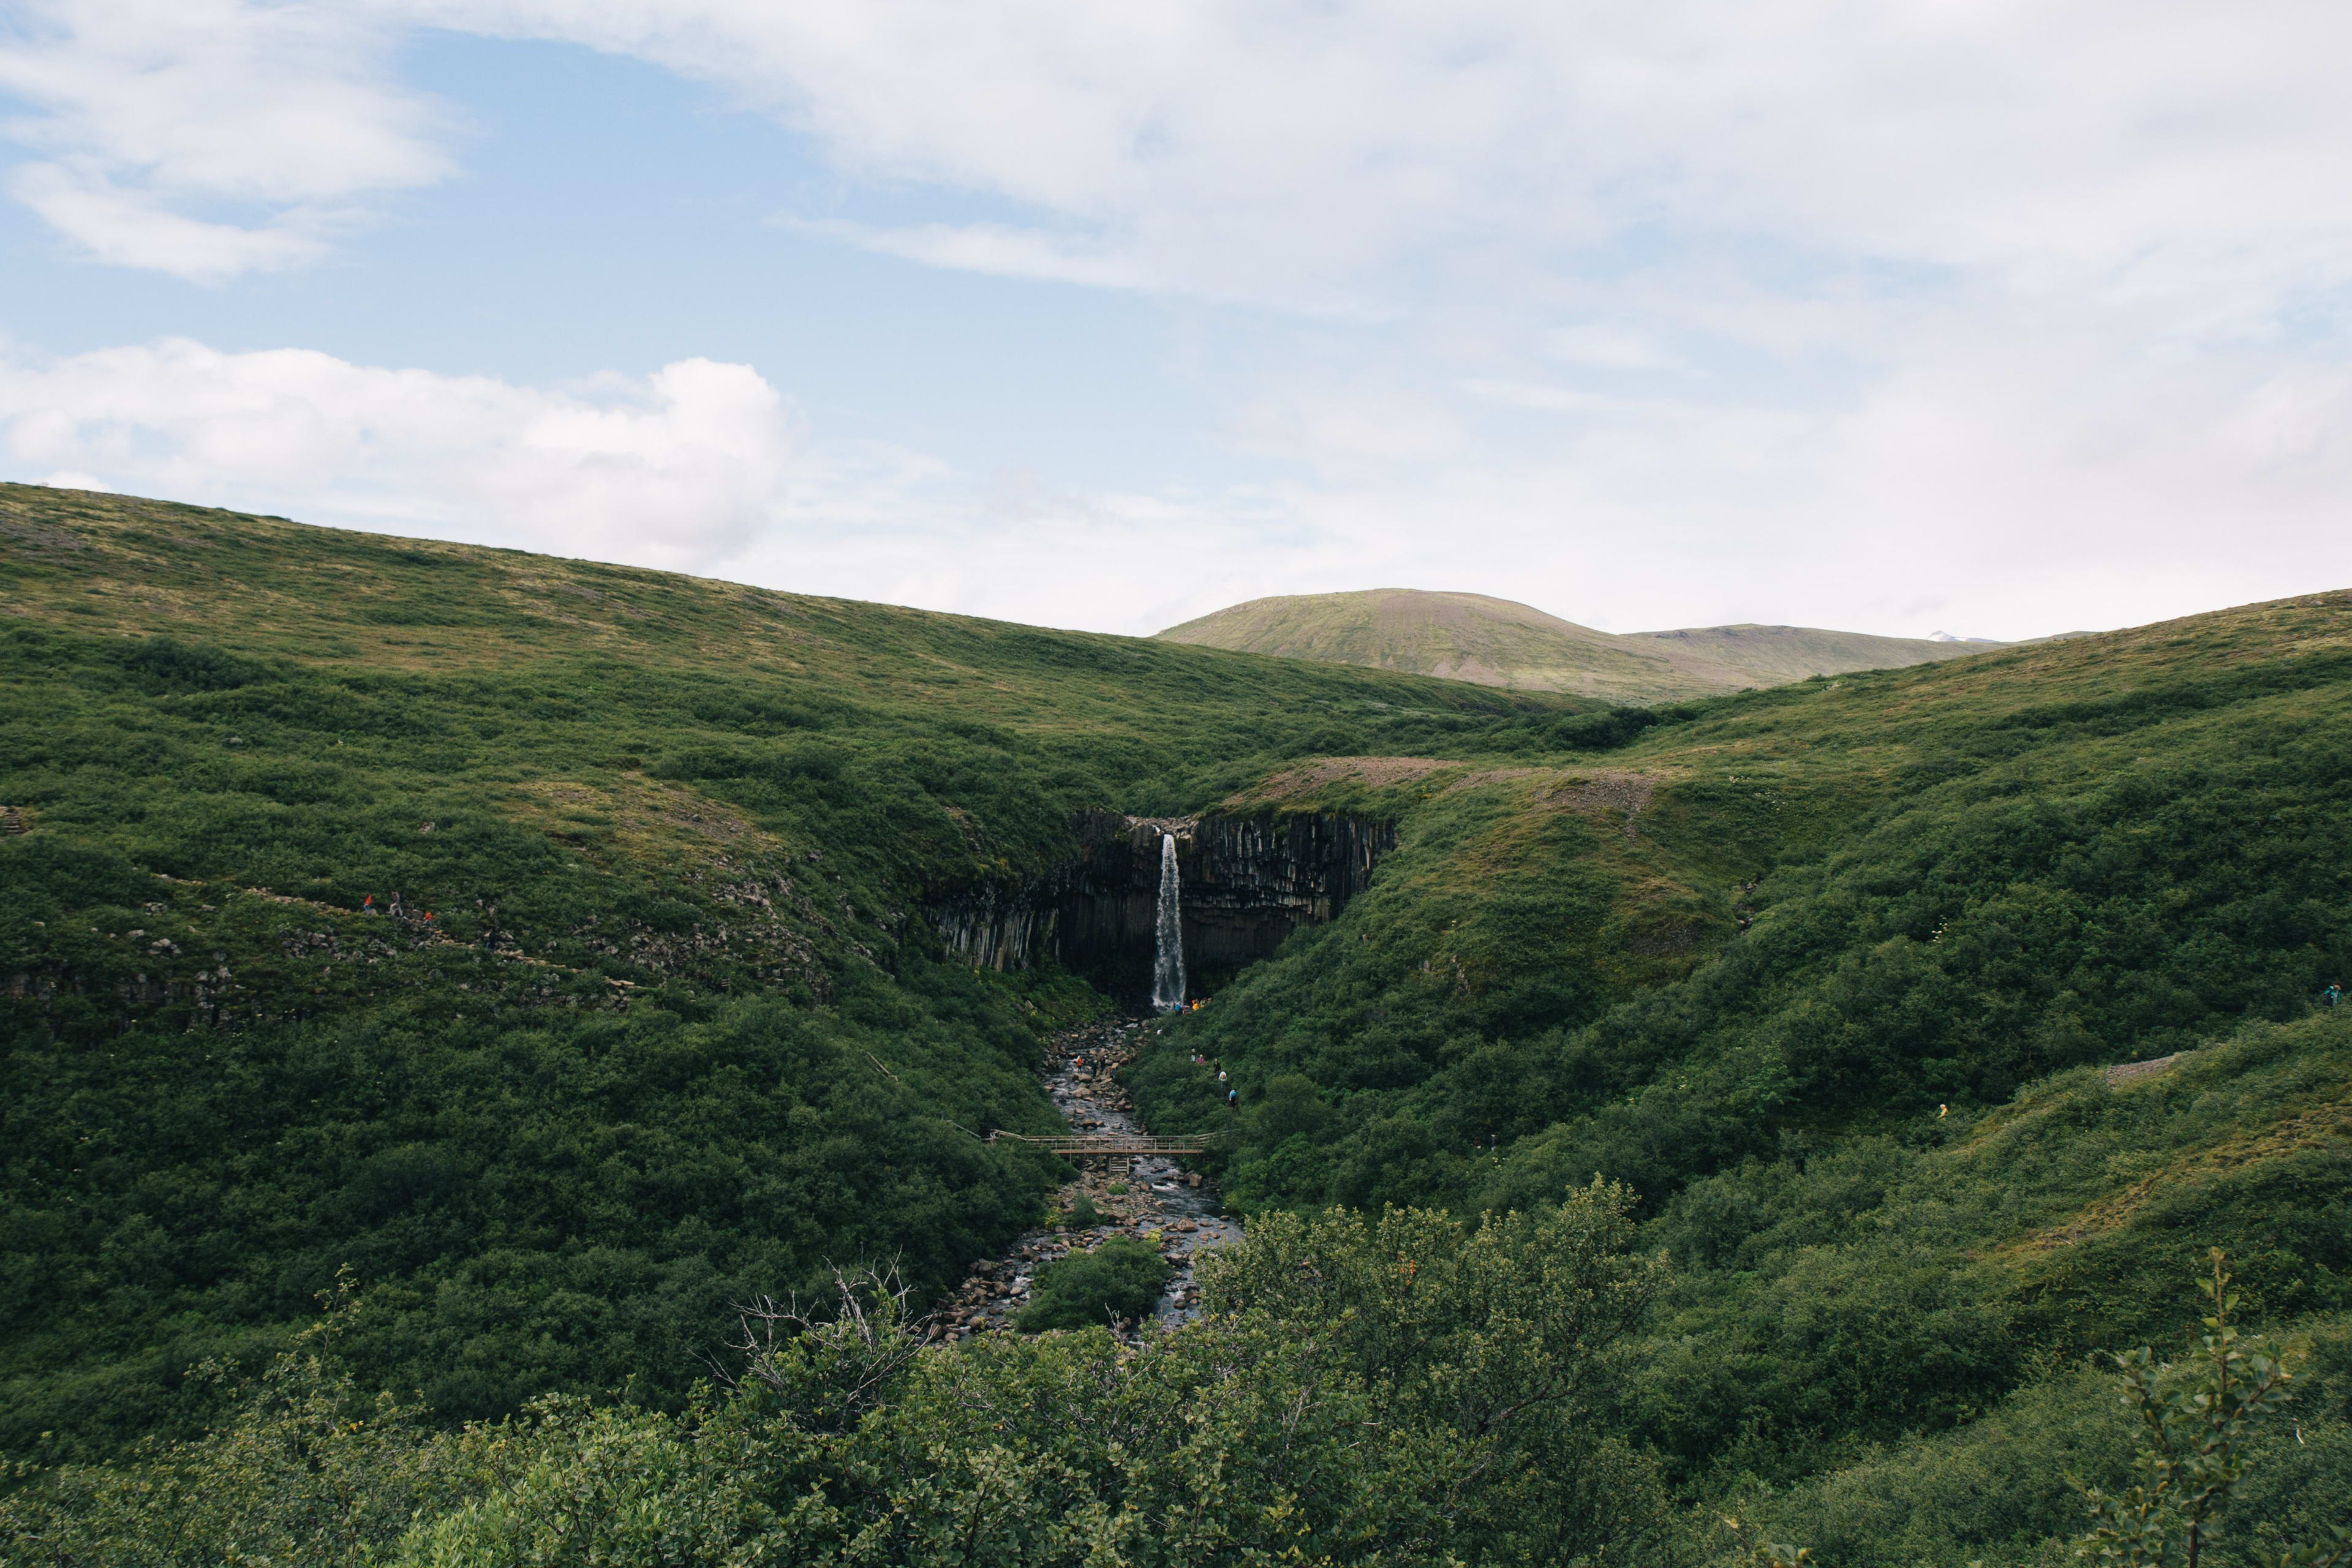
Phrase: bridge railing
x=1107 y=1143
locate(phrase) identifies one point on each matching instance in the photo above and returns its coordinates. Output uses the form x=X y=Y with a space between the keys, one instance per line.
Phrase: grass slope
x=1776 y=656
x=1830 y=973
x=1496 y=642
x=540 y=940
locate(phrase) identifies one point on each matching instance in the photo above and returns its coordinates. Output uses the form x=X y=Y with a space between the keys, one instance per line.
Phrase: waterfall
x=1168 y=961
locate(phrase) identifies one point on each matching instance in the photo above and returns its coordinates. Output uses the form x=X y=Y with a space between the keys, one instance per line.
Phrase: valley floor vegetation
x=1413 y=1389
x=531 y=959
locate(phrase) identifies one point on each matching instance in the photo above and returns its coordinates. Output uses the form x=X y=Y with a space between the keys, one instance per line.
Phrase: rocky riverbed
x=1161 y=1204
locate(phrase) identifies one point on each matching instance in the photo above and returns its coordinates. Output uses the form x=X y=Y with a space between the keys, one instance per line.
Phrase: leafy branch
x=2195 y=1422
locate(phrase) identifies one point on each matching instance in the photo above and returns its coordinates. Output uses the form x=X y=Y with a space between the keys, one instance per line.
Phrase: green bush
x=1120 y=1278
x=2009 y=1491
x=1434 y=1416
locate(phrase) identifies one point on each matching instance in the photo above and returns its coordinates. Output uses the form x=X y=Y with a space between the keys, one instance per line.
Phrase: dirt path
x=1163 y=1203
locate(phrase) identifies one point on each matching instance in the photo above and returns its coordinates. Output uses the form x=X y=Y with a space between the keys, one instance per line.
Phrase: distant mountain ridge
x=1501 y=642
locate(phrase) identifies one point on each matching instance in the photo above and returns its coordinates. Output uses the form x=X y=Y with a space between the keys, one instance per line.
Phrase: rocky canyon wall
x=1248 y=882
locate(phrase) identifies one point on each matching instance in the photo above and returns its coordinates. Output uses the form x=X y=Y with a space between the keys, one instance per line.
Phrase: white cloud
x=1955 y=492
x=1283 y=151
x=1548 y=398
x=131 y=227
x=2063 y=471
x=1341 y=156
x=1345 y=157
x=699 y=466
x=993 y=248
x=679 y=469
x=208 y=138
x=1610 y=347
x=2012 y=315
x=1350 y=428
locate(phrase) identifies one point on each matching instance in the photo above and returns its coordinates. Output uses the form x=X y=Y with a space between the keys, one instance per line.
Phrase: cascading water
x=1168 y=961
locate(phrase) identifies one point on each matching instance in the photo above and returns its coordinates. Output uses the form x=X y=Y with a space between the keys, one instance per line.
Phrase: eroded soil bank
x=1162 y=1203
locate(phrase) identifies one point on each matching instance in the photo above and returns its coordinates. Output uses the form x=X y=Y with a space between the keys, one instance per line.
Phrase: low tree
x=2195 y=1421
x=1122 y=1278
x=1490 y=1343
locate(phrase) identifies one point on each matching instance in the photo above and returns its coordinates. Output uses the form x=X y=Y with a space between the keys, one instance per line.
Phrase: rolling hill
x=1839 y=974
x=516 y=931
x=538 y=957
x=1496 y=642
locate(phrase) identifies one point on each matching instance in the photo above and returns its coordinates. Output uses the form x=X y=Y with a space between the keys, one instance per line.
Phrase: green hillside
x=1771 y=1034
x=1458 y=637
x=532 y=936
x=1776 y=656
x=1838 y=904
x=1495 y=642
x=1847 y=1035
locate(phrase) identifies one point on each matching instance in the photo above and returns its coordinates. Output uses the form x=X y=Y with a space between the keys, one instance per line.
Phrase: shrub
x=1371 y=1416
x=1120 y=1278
x=2195 y=1426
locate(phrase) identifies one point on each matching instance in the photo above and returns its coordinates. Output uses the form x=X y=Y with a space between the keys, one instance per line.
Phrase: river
x=1163 y=1203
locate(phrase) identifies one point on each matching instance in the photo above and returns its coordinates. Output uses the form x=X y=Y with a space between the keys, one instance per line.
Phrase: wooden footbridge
x=1082 y=1145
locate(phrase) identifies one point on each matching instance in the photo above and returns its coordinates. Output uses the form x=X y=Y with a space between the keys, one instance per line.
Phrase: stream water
x=1163 y=1203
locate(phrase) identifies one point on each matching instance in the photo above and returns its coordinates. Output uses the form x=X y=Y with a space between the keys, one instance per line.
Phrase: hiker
x=1220 y=1075
x=2332 y=995
x=1233 y=1096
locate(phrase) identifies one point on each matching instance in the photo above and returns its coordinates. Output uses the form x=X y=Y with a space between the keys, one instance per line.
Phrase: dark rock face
x=1248 y=882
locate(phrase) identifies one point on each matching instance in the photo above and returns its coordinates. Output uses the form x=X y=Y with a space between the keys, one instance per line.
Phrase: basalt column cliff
x=1248 y=882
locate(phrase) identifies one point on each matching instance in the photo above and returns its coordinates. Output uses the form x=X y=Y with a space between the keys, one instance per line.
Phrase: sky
x=1981 y=316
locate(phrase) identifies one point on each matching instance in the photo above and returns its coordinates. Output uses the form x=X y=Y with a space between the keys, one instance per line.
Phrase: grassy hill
x=1874 y=895
x=533 y=937
x=1829 y=977
x=1832 y=973
x=1775 y=655
x=1495 y=642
